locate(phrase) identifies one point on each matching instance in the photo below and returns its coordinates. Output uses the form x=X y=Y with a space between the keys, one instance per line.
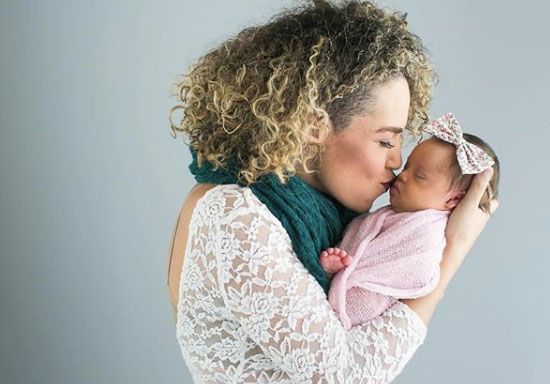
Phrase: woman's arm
x=463 y=228
x=284 y=311
x=425 y=306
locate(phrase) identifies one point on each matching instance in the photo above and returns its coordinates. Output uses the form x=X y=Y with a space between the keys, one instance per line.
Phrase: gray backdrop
x=92 y=182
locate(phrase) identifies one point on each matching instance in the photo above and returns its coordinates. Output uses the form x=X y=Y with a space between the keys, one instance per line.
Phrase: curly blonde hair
x=259 y=97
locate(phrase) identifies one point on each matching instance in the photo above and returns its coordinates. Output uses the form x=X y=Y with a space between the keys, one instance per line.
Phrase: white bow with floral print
x=471 y=158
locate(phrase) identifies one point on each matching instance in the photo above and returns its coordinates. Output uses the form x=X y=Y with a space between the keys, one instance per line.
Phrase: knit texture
x=312 y=219
x=395 y=256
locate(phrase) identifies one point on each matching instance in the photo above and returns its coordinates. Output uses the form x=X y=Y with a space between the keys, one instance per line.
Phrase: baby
x=394 y=252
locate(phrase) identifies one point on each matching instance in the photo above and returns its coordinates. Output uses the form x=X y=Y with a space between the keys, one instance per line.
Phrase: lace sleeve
x=283 y=309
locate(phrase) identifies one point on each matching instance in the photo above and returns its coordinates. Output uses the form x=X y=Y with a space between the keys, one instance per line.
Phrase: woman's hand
x=467 y=220
x=463 y=228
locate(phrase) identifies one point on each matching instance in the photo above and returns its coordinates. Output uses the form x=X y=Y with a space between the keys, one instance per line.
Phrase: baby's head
x=432 y=177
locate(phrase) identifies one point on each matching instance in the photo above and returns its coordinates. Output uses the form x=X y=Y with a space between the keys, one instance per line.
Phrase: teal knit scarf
x=314 y=221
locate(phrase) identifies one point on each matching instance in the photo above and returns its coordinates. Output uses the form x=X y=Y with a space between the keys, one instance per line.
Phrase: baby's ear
x=454 y=199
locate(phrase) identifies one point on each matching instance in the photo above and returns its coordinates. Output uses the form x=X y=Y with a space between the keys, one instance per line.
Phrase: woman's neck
x=310 y=178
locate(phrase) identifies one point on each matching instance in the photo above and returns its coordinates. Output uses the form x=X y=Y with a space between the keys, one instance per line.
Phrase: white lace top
x=249 y=311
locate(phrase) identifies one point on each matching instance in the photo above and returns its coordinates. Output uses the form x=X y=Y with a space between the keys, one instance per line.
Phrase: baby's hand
x=334 y=259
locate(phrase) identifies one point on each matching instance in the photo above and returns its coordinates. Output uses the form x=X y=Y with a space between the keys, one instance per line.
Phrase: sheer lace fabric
x=249 y=311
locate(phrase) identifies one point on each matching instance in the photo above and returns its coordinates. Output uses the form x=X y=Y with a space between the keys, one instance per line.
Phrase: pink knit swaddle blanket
x=395 y=256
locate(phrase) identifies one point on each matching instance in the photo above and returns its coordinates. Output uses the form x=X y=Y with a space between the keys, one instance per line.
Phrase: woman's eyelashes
x=386 y=144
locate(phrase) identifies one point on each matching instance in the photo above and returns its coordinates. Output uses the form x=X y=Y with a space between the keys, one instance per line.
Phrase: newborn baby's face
x=425 y=180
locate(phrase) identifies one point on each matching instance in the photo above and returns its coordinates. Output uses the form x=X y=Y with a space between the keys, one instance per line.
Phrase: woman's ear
x=454 y=199
x=319 y=128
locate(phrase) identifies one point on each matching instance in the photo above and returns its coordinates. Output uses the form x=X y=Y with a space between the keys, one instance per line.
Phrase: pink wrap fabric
x=395 y=256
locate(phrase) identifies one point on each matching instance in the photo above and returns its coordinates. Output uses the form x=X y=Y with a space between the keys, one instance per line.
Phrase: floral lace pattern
x=249 y=311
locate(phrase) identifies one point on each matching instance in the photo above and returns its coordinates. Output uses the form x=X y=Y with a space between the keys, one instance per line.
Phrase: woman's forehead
x=372 y=124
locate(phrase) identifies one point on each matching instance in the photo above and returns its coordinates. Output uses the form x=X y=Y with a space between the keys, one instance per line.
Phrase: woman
x=295 y=127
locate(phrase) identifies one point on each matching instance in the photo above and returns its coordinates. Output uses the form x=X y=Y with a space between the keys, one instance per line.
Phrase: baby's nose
x=402 y=177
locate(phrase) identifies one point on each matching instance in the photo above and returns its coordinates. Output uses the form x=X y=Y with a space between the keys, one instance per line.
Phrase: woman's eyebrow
x=390 y=129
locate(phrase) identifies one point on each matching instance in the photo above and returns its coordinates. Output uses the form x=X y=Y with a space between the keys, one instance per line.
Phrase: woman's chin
x=364 y=207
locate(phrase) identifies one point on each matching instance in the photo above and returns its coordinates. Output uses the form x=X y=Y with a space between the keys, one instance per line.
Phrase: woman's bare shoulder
x=196 y=193
x=231 y=197
x=179 y=237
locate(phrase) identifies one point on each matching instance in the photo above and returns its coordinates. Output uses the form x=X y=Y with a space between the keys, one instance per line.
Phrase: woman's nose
x=394 y=158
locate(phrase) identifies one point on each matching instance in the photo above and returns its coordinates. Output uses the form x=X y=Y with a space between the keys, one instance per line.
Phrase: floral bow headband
x=471 y=158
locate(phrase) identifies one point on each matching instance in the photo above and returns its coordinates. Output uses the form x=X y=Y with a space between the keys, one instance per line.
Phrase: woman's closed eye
x=386 y=144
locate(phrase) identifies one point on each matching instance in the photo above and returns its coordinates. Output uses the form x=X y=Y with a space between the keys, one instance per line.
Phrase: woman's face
x=358 y=161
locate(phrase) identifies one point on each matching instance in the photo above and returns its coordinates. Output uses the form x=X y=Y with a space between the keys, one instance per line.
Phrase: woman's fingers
x=467 y=220
x=493 y=205
x=478 y=187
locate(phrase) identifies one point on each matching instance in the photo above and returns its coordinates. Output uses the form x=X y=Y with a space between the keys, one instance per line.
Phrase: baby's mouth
x=395 y=187
x=388 y=184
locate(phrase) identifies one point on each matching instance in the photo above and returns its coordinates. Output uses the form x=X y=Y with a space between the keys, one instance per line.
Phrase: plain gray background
x=92 y=182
